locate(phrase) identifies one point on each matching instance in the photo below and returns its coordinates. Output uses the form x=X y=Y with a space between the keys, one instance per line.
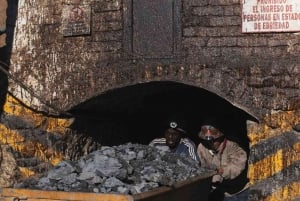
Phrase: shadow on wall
x=5 y=51
x=141 y=112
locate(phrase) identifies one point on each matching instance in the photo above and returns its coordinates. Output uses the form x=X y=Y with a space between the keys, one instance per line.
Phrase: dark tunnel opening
x=140 y=113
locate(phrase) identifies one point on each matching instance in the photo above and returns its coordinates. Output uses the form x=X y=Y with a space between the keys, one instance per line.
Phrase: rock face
x=127 y=169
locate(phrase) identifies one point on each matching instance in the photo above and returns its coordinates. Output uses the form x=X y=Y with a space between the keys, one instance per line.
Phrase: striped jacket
x=186 y=147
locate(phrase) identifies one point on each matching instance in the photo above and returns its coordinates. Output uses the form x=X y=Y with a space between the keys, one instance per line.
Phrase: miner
x=226 y=157
x=175 y=140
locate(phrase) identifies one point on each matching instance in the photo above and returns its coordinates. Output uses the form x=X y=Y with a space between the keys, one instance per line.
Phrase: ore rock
x=126 y=169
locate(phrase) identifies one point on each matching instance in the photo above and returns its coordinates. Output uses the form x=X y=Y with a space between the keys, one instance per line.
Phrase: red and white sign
x=270 y=16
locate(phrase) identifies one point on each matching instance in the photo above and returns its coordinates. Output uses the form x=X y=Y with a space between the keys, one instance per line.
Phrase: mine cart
x=194 y=189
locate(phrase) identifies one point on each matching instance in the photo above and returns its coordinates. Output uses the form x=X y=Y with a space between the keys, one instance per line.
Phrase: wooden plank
x=33 y=195
x=190 y=190
x=194 y=189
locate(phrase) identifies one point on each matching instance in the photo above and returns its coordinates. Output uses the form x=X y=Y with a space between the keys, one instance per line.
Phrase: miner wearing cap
x=174 y=141
x=224 y=156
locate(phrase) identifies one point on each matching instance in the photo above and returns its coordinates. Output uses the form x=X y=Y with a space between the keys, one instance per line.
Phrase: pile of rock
x=126 y=169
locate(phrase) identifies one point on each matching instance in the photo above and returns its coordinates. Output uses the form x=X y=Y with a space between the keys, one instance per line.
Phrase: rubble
x=125 y=169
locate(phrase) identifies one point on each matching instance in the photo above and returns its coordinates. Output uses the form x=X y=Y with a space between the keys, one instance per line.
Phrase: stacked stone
x=126 y=169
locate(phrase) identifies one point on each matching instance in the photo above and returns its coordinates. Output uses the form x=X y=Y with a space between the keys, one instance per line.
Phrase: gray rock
x=64 y=168
x=111 y=182
x=126 y=169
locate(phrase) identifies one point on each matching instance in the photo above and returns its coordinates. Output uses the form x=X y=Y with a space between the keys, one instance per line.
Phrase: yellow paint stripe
x=274 y=163
x=18 y=143
x=288 y=193
x=282 y=121
x=25 y=172
x=55 y=125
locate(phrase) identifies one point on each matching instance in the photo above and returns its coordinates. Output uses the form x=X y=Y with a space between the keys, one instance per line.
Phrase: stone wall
x=51 y=73
x=260 y=72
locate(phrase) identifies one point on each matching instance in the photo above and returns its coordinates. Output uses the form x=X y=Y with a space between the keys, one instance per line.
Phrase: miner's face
x=211 y=137
x=172 y=137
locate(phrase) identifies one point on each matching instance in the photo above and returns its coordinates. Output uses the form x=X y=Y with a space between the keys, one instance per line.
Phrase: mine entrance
x=139 y=113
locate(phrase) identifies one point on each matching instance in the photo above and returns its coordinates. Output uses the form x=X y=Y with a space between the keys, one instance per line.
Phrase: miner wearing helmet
x=175 y=141
x=226 y=157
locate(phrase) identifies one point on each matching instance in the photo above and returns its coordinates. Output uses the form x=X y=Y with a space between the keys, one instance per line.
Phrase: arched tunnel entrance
x=139 y=113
